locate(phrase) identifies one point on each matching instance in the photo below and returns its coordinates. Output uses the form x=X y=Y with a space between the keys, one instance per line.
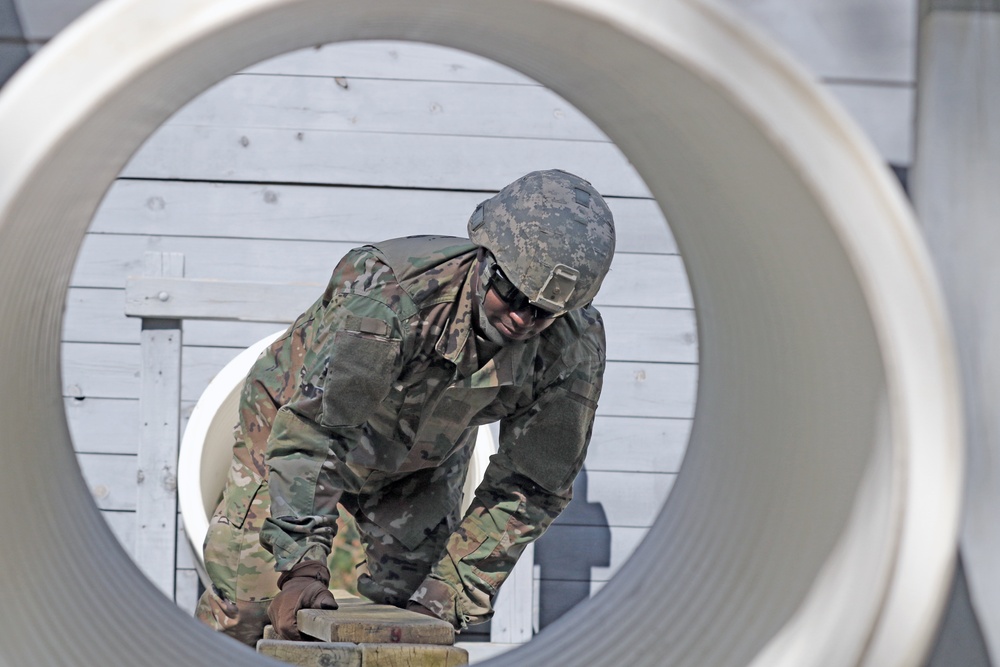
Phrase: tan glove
x=305 y=586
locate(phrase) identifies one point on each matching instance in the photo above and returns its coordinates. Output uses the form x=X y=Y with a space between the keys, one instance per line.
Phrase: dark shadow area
x=960 y=640
x=577 y=541
x=902 y=173
x=13 y=47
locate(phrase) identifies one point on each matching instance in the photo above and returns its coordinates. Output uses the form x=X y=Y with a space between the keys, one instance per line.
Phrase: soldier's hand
x=305 y=586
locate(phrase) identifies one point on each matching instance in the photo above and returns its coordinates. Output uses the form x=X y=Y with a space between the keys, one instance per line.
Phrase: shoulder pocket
x=358 y=379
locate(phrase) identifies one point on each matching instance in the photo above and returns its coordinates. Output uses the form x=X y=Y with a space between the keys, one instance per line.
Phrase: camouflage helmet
x=553 y=236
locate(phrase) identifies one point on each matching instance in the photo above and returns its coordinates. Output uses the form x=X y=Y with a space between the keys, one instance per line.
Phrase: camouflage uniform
x=371 y=400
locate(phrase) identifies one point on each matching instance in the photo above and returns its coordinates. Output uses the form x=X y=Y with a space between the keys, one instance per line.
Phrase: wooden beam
x=192 y=299
x=159 y=433
x=362 y=622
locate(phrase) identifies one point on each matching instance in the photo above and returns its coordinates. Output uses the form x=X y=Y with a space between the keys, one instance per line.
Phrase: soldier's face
x=517 y=322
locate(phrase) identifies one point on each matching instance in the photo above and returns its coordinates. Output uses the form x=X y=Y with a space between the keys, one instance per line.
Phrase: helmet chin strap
x=479 y=286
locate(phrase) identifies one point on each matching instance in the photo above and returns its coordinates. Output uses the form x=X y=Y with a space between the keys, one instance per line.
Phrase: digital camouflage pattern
x=552 y=234
x=371 y=400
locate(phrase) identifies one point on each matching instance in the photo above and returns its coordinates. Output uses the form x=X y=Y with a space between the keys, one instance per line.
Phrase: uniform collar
x=457 y=344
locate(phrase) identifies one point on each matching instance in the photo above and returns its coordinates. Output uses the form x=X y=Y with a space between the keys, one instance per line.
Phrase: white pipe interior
x=814 y=521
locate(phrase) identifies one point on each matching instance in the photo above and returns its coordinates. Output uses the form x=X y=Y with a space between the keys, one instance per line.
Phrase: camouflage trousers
x=244 y=580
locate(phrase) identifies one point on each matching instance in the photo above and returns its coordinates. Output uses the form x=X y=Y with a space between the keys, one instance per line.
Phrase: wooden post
x=954 y=186
x=159 y=408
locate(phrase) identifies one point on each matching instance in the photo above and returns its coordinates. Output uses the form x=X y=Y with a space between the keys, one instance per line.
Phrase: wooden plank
x=650 y=334
x=622 y=444
x=872 y=40
x=637 y=280
x=186 y=591
x=955 y=193
x=649 y=390
x=214 y=299
x=390 y=60
x=108 y=260
x=357 y=104
x=103 y=426
x=111 y=480
x=310 y=654
x=585 y=553
x=109 y=425
x=617 y=499
x=361 y=622
x=111 y=371
x=186 y=559
x=97 y=315
x=179 y=298
x=340 y=654
x=42 y=19
x=159 y=437
x=327 y=213
x=885 y=113
x=373 y=159
x=122 y=524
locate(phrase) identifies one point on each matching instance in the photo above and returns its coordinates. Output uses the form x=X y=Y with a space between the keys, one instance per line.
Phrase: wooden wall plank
x=103 y=426
x=638 y=280
x=355 y=104
x=111 y=479
x=638 y=444
x=885 y=113
x=649 y=390
x=98 y=315
x=123 y=526
x=109 y=425
x=374 y=159
x=873 y=40
x=42 y=19
x=327 y=213
x=389 y=60
x=186 y=590
x=107 y=260
x=622 y=444
x=159 y=436
x=615 y=543
x=634 y=334
x=618 y=499
x=112 y=371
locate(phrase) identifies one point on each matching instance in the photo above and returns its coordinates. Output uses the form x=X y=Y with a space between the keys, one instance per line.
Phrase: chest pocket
x=360 y=373
x=445 y=423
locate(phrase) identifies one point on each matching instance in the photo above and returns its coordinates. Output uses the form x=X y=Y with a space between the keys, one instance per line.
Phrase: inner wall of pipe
x=802 y=348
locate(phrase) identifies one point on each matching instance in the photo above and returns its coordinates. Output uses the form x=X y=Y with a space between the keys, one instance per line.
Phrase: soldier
x=371 y=400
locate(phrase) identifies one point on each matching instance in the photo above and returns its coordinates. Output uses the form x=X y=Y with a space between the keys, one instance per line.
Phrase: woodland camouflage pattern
x=542 y=220
x=371 y=399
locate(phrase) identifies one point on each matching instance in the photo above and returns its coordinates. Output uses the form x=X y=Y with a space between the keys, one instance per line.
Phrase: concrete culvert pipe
x=814 y=520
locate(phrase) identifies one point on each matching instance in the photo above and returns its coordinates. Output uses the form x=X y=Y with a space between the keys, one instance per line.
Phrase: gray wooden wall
x=278 y=170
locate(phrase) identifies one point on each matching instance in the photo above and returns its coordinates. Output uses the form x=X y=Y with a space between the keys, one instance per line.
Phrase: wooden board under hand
x=369 y=623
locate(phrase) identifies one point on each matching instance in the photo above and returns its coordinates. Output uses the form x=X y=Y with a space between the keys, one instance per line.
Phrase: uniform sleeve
x=528 y=483
x=345 y=359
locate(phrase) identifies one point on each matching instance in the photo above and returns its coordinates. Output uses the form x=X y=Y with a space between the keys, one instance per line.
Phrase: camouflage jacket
x=382 y=376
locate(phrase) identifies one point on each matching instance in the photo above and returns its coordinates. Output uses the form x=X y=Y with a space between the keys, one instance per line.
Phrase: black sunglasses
x=513 y=297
